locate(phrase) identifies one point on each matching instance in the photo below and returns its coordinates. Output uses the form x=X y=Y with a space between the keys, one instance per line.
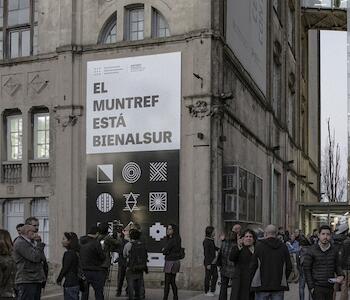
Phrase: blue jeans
x=97 y=279
x=269 y=296
x=30 y=291
x=71 y=293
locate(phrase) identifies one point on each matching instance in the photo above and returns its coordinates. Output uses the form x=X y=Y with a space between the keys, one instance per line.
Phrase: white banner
x=246 y=35
x=133 y=104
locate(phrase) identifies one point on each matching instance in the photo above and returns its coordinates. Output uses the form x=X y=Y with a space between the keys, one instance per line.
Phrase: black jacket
x=320 y=265
x=209 y=251
x=69 y=271
x=172 y=248
x=7 y=276
x=270 y=266
x=91 y=254
x=346 y=254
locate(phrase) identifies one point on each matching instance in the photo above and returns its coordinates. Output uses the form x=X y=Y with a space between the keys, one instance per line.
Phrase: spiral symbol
x=131 y=172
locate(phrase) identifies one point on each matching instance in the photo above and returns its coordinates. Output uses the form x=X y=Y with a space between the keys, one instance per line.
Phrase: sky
x=334 y=90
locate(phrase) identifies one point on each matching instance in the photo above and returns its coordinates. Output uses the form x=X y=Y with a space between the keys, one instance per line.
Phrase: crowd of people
x=261 y=267
x=253 y=266
x=86 y=262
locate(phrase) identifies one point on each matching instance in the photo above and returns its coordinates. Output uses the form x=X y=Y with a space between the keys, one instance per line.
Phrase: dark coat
x=271 y=266
x=70 y=268
x=7 y=276
x=320 y=265
x=209 y=251
x=346 y=254
x=172 y=248
x=92 y=256
x=241 y=282
x=227 y=266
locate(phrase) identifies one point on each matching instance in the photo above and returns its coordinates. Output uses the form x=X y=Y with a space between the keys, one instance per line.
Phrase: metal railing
x=325 y=4
x=12 y=172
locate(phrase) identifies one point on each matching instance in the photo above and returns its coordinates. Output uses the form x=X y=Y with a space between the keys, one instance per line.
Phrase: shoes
x=209 y=294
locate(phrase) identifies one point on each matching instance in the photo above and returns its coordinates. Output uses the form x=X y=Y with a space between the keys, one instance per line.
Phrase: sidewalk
x=55 y=293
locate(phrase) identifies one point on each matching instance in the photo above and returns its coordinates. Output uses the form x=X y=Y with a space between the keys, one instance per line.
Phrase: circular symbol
x=105 y=202
x=131 y=172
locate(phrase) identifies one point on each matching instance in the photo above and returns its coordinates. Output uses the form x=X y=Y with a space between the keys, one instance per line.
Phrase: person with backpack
x=173 y=253
x=136 y=256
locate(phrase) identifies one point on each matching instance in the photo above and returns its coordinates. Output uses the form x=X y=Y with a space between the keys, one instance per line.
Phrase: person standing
x=321 y=263
x=270 y=267
x=211 y=270
x=314 y=237
x=92 y=258
x=7 y=266
x=70 y=267
x=136 y=256
x=346 y=267
x=29 y=258
x=227 y=267
x=242 y=255
x=121 y=264
x=172 y=252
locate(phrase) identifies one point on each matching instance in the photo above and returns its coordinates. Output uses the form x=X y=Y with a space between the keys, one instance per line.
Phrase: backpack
x=138 y=257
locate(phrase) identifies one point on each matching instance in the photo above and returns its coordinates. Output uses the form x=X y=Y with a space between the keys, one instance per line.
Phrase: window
x=41 y=136
x=18 y=28
x=277 y=88
x=292 y=205
x=276 y=199
x=243 y=203
x=14 y=214
x=109 y=32
x=40 y=210
x=135 y=23
x=160 y=27
x=14 y=137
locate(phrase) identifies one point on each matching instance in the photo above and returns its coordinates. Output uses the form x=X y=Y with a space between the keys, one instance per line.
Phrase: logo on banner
x=131 y=202
x=157 y=231
x=131 y=172
x=104 y=173
x=158 y=201
x=104 y=202
x=158 y=171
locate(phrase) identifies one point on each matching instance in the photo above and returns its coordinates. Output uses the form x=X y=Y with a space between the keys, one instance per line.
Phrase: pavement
x=53 y=292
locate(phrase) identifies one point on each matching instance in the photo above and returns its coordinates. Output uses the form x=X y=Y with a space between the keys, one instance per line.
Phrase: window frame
x=8 y=138
x=107 y=28
x=35 y=135
x=156 y=16
x=7 y=30
x=127 y=22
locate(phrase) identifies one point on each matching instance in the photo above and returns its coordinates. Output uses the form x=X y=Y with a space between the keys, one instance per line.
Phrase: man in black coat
x=321 y=263
x=270 y=267
x=211 y=270
x=92 y=258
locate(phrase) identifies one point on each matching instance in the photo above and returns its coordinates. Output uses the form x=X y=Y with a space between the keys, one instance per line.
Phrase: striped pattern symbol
x=158 y=171
x=104 y=202
x=158 y=201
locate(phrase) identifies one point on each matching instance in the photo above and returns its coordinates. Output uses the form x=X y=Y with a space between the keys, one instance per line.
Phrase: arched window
x=135 y=21
x=160 y=27
x=109 y=31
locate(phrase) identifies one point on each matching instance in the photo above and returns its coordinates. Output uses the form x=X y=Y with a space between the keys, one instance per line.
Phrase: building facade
x=249 y=132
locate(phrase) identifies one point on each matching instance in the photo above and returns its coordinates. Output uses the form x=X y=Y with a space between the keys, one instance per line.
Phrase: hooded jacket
x=91 y=254
x=270 y=266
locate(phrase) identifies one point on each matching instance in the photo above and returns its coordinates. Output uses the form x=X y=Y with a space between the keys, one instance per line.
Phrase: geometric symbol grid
x=158 y=171
x=158 y=201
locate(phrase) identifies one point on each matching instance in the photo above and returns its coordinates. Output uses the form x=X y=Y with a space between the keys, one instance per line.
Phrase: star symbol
x=131 y=201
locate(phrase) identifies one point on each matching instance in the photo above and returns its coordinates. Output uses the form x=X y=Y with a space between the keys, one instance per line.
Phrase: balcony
x=324 y=15
x=325 y=4
x=39 y=170
x=12 y=172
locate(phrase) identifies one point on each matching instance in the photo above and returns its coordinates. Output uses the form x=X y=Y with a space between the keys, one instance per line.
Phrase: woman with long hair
x=70 y=267
x=7 y=266
x=241 y=255
x=172 y=252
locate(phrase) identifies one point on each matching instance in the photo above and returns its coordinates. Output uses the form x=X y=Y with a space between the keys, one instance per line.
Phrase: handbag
x=182 y=253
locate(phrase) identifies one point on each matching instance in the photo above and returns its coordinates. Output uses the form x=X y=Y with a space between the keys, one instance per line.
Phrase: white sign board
x=133 y=104
x=246 y=35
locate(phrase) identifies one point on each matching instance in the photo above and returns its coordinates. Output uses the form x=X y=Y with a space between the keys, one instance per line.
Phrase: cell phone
x=332 y=280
